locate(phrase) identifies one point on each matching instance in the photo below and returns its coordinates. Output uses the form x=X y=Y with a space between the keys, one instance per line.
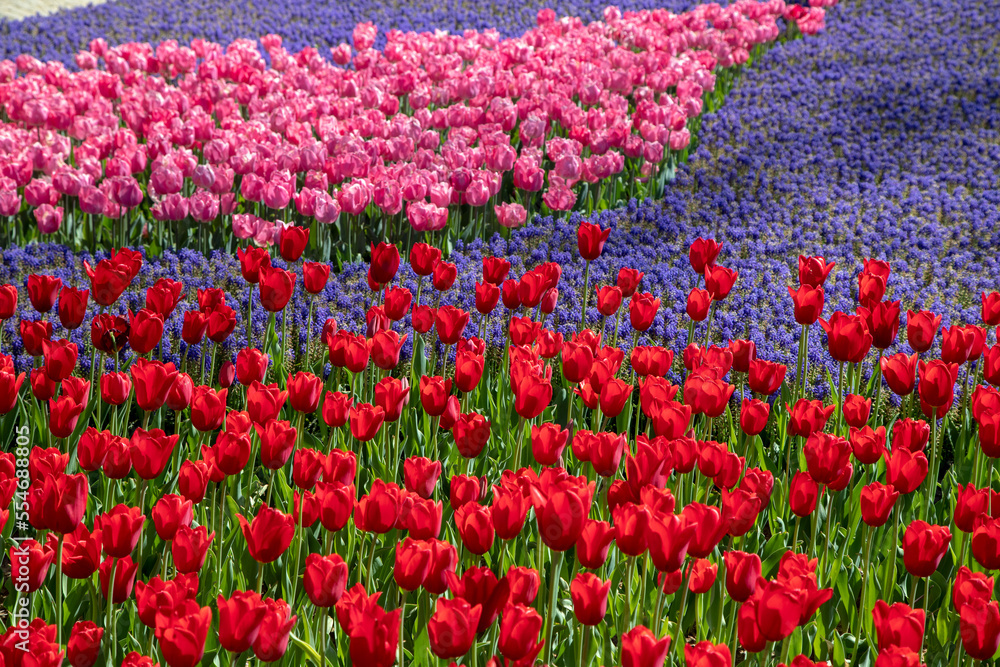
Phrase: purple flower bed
x=321 y=24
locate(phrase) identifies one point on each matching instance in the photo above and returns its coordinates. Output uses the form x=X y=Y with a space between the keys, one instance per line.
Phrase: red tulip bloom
x=590 y=240
x=495 y=269
x=848 y=338
x=325 y=579
x=970 y=586
x=30 y=563
x=590 y=598
x=898 y=625
x=519 y=633
x=594 y=543
x=150 y=451
x=905 y=470
x=450 y=323
x=475 y=527
x=707 y=393
x=170 y=513
x=979 y=626
x=60 y=358
x=379 y=511
x=508 y=512
x=189 y=548
x=753 y=415
x=642 y=648
x=924 y=546
x=84 y=645
x=64 y=413
x=57 y=502
x=719 y=281
x=560 y=514
x=42 y=291
x=384 y=263
x=451 y=630
x=72 y=307
x=292 y=243
x=703 y=253
x=8 y=301
x=609 y=300
x=120 y=530
x=268 y=535
x=808 y=303
x=240 y=619
x=877 y=501
x=182 y=632
x=304 y=391
x=423 y=259
x=813 y=271
x=707 y=654
x=444 y=276
x=921 y=328
x=937 y=382
x=742 y=572
x=698 y=303
x=264 y=402
x=276 y=287
x=807 y=417
x=669 y=539
x=252 y=260
x=900 y=372
x=413 y=560
x=986 y=542
x=826 y=457
x=152 y=380
x=145 y=331
x=315 y=276
x=642 y=310
x=803 y=494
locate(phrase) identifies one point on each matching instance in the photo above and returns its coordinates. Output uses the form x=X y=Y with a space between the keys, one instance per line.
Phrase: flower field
x=661 y=335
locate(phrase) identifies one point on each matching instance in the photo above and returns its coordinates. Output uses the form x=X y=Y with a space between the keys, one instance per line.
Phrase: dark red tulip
x=921 y=328
x=813 y=271
x=43 y=291
x=268 y=535
x=703 y=253
x=72 y=307
x=924 y=546
x=590 y=240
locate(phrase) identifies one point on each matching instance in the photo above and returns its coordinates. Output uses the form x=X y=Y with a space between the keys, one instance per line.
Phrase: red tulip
x=423 y=259
x=451 y=629
x=808 y=303
x=72 y=307
x=42 y=291
x=325 y=579
x=924 y=546
x=590 y=240
x=742 y=572
x=519 y=633
x=813 y=271
x=268 y=535
x=937 y=382
x=182 y=632
x=642 y=648
x=29 y=564
x=84 y=645
x=898 y=626
x=240 y=618
x=921 y=328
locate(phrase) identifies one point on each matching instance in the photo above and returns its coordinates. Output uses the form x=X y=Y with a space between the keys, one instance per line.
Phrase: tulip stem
x=584 y=645
x=878 y=389
x=553 y=590
x=250 y=316
x=795 y=535
x=679 y=632
x=826 y=542
x=222 y=529
x=864 y=590
x=932 y=476
x=585 y=296
x=111 y=609
x=402 y=624
x=890 y=569
x=520 y=444
x=59 y=591
x=371 y=563
x=840 y=398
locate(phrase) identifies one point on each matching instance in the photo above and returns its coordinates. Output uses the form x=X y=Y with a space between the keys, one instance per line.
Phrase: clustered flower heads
x=143 y=140
x=563 y=453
